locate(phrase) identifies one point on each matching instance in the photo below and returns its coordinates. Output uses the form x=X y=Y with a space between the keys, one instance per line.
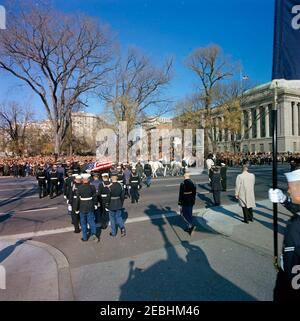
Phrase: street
x=223 y=260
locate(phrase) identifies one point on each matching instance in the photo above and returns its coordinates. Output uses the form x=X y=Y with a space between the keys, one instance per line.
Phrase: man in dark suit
x=187 y=197
x=216 y=185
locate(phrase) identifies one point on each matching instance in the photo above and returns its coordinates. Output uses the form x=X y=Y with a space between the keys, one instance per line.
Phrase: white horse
x=176 y=168
x=155 y=167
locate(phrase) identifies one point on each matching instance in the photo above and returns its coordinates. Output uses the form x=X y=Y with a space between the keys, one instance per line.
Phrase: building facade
x=256 y=118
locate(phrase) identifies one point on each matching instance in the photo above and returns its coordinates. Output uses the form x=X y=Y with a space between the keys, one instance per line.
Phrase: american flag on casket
x=98 y=166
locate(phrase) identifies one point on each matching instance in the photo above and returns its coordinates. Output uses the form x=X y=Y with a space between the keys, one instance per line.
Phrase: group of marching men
x=96 y=201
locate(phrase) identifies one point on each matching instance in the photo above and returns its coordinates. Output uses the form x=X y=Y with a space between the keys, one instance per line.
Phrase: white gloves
x=276 y=196
x=70 y=208
x=180 y=208
x=77 y=212
x=96 y=207
x=65 y=197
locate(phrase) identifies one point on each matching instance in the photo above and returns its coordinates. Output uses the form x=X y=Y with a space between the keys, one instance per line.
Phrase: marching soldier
x=148 y=173
x=86 y=204
x=41 y=178
x=135 y=184
x=96 y=182
x=187 y=197
x=72 y=201
x=115 y=206
x=54 y=181
x=216 y=185
x=103 y=193
x=68 y=183
x=120 y=175
x=287 y=285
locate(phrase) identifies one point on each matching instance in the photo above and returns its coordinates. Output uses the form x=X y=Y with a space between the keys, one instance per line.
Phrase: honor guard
x=69 y=180
x=288 y=278
x=41 y=178
x=86 y=204
x=103 y=195
x=135 y=184
x=72 y=201
x=54 y=181
x=115 y=205
x=120 y=175
x=96 y=182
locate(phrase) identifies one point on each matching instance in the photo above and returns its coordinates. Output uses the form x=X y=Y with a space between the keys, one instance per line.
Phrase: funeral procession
x=149 y=152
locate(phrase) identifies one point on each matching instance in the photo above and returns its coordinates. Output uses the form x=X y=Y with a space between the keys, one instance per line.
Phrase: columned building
x=256 y=118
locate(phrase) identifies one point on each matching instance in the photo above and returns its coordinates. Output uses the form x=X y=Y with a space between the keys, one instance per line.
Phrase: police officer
x=103 y=196
x=54 y=181
x=41 y=178
x=86 y=204
x=115 y=205
x=186 y=201
x=72 y=201
x=287 y=285
x=120 y=175
x=135 y=184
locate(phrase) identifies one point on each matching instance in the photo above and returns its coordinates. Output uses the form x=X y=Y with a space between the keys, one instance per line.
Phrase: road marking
x=29 y=211
x=18 y=189
x=173 y=185
x=17 y=198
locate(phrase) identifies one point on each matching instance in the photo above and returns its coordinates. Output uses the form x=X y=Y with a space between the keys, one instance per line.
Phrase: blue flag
x=286 y=60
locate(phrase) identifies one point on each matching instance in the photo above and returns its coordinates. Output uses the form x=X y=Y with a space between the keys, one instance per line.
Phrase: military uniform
x=72 y=201
x=115 y=205
x=86 y=203
x=290 y=258
x=41 y=178
x=187 y=198
x=103 y=196
x=54 y=180
x=135 y=183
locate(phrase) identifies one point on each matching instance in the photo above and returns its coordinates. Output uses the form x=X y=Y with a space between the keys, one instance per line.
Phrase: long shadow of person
x=208 y=202
x=185 y=274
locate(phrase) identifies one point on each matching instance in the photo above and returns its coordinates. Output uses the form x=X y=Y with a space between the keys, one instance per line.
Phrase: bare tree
x=212 y=68
x=14 y=120
x=137 y=87
x=60 y=57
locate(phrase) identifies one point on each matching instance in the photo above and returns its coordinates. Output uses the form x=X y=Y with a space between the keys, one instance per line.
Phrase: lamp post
x=274 y=87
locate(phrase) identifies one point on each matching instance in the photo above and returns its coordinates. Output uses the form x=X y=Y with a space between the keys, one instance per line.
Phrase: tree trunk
x=57 y=143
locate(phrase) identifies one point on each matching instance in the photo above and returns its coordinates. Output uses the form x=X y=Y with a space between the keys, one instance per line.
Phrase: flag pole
x=274 y=171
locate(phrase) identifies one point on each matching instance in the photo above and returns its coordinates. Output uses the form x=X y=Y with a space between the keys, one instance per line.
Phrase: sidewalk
x=228 y=220
x=34 y=272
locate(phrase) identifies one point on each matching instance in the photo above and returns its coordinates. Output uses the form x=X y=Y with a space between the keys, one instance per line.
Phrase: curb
x=65 y=287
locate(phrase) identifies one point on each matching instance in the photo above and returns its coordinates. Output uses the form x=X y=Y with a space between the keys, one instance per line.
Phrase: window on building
x=295 y=147
x=270 y=147
x=252 y=148
x=262 y=113
x=254 y=124
x=298 y=105
x=270 y=120
x=262 y=148
x=293 y=118
x=245 y=149
x=246 y=124
x=220 y=130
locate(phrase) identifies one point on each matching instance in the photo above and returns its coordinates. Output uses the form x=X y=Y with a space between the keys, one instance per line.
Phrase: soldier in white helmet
x=288 y=279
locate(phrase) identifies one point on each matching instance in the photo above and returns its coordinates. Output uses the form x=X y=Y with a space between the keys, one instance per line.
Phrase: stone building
x=256 y=129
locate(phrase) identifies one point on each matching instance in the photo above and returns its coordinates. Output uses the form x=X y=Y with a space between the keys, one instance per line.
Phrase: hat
x=85 y=176
x=293 y=176
x=77 y=177
x=114 y=173
x=222 y=164
x=105 y=175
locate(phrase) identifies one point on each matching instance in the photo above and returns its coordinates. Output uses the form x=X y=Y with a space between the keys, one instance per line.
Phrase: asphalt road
x=157 y=260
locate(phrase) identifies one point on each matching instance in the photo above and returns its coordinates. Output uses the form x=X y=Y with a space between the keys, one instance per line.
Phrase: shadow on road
x=6 y=252
x=181 y=276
